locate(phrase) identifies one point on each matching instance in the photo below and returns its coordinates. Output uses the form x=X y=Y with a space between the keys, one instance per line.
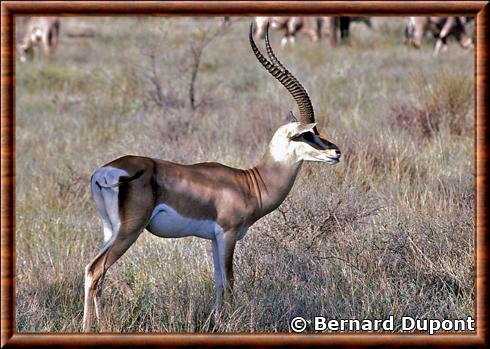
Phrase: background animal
x=41 y=33
x=441 y=28
x=337 y=28
x=290 y=26
x=225 y=21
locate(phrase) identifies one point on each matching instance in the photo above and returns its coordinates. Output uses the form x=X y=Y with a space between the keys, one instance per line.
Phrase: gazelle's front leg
x=223 y=247
x=218 y=278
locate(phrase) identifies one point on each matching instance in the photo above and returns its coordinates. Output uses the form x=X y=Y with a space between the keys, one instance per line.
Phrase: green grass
x=387 y=231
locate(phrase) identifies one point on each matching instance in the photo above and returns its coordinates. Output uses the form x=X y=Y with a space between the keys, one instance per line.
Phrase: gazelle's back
x=210 y=186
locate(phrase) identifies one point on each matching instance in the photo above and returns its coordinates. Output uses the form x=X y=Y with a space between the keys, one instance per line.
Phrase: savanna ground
x=387 y=231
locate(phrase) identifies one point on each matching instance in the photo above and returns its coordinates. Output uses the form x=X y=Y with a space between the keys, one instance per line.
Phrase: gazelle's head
x=32 y=39
x=298 y=140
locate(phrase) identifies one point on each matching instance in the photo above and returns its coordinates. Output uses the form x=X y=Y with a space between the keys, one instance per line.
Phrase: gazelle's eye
x=304 y=136
x=309 y=137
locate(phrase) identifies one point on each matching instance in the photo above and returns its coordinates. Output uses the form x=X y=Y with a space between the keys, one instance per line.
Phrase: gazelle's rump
x=106 y=198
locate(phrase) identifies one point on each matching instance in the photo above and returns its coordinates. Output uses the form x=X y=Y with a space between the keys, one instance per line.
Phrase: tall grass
x=388 y=231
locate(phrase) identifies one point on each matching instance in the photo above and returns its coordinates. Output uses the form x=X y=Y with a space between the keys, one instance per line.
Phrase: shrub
x=442 y=101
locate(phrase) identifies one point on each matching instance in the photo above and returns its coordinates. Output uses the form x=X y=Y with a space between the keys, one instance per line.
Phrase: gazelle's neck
x=272 y=179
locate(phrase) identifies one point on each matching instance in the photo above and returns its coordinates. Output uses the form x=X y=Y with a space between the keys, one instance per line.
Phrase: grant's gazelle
x=207 y=200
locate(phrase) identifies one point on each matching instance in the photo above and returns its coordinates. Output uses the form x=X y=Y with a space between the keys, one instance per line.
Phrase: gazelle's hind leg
x=107 y=207
x=119 y=234
x=108 y=232
x=89 y=290
x=95 y=270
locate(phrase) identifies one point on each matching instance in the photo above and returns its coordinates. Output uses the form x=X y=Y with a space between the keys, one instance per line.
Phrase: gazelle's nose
x=337 y=153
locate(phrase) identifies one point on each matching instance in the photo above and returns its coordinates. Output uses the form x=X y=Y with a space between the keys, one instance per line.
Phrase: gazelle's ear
x=302 y=128
x=290 y=117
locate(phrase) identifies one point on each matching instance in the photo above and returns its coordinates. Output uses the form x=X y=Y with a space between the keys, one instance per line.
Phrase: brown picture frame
x=10 y=9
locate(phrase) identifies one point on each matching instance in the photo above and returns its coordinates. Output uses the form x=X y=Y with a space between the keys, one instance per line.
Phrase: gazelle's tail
x=122 y=180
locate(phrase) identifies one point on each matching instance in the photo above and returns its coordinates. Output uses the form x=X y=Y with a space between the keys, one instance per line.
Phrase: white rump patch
x=107 y=200
x=168 y=223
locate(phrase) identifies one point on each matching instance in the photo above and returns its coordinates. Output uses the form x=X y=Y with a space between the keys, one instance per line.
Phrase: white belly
x=168 y=223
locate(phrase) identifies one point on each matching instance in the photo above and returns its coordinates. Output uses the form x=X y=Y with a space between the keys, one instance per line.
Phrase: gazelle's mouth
x=332 y=161
x=328 y=159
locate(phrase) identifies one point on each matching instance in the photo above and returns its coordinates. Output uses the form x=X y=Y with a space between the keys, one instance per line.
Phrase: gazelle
x=290 y=26
x=340 y=26
x=41 y=32
x=441 y=28
x=207 y=200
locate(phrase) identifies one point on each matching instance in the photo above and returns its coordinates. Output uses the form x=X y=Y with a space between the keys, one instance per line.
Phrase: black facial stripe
x=313 y=141
x=309 y=137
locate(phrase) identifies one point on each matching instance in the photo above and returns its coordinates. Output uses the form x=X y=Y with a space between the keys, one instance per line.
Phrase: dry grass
x=443 y=102
x=388 y=231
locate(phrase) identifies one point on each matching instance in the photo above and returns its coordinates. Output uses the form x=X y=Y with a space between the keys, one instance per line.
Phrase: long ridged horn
x=287 y=79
